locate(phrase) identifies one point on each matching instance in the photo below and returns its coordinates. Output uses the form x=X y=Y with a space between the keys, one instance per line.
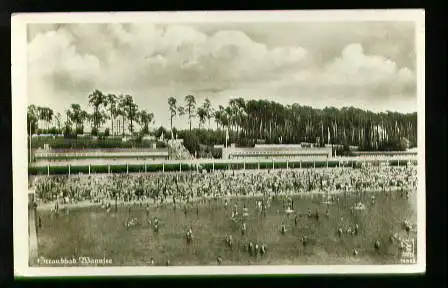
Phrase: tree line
x=246 y=122
x=120 y=110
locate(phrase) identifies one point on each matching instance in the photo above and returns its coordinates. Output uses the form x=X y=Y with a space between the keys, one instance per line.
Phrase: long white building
x=276 y=152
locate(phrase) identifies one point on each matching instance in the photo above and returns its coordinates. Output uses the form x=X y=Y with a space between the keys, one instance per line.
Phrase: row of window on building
x=283 y=156
x=279 y=153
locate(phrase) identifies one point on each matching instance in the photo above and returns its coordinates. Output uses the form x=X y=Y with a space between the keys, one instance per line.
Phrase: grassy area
x=65 y=157
x=91 y=232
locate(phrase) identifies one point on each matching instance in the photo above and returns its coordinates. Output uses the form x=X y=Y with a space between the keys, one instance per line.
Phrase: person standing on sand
x=219 y=260
x=189 y=235
x=283 y=228
x=245 y=211
x=243 y=229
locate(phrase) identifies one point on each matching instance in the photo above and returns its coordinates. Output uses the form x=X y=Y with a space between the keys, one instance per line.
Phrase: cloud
x=154 y=62
x=56 y=68
x=355 y=69
x=352 y=78
x=54 y=53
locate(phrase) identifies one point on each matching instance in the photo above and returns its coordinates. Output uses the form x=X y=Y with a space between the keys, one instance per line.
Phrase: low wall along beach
x=32 y=230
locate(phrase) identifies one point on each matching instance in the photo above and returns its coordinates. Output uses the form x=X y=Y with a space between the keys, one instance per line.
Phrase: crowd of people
x=188 y=186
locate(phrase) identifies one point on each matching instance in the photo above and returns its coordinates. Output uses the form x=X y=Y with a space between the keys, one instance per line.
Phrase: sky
x=369 y=65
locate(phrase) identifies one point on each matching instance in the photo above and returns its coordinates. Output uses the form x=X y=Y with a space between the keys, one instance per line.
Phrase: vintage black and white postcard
x=195 y=143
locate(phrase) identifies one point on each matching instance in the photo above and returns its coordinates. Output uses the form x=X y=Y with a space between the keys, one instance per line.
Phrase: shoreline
x=150 y=202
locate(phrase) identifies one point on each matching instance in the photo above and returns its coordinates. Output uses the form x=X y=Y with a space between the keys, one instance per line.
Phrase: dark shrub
x=159 y=132
x=68 y=133
x=94 y=131
x=191 y=142
x=101 y=135
x=54 y=131
x=79 y=130
x=40 y=131
x=138 y=139
x=217 y=153
x=175 y=132
x=343 y=151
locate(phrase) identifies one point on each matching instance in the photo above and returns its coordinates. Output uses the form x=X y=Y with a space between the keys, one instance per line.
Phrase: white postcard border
x=19 y=140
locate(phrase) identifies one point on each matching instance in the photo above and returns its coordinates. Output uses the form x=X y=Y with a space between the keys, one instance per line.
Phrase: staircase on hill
x=178 y=150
